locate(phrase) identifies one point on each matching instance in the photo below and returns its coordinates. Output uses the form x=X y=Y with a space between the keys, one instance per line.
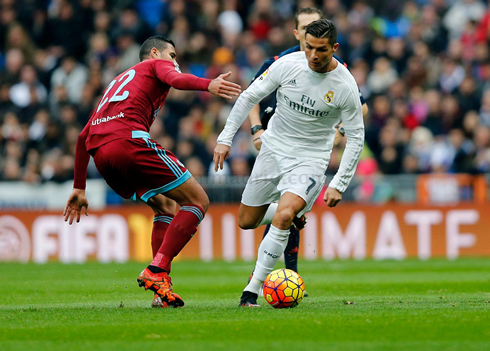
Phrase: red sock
x=161 y=223
x=180 y=231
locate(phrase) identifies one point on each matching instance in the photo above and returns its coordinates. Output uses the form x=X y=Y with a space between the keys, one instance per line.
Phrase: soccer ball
x=284 y=288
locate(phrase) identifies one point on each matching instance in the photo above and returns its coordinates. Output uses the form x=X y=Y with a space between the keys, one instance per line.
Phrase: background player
x=137 y=167
x=302 y=19
x=297 y=145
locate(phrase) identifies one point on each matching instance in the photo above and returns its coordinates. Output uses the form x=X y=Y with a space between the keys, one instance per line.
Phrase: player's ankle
x=156 y=269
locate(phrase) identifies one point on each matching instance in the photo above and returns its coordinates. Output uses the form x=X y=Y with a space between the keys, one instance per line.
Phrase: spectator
x=64 y=31
x=128 y=52
x=422 y=66
x=383 y=75
x=452 y=76
x=460 y=13
x=29 y=89
x=131 y=23
x=71 y=75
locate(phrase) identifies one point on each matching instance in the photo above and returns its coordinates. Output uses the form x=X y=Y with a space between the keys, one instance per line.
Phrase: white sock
x=271 y=211
x=270 y=250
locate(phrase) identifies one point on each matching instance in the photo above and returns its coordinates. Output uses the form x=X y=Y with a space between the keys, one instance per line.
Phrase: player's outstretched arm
x=247 y=100
x=223 y=88
x=184 y=81
x=74 y=206
x=77 y=200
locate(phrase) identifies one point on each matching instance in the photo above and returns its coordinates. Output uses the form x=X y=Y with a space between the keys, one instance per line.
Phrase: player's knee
x=168 y=207
x=201 y=200
x=205 y=203
x=285 y=215
x=161 y=204
x=245 y=222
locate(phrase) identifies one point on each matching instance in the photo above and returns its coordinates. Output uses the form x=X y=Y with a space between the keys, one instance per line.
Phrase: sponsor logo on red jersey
x=107 y=119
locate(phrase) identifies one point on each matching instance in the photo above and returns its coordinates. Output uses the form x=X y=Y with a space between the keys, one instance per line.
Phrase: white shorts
x=273 y=175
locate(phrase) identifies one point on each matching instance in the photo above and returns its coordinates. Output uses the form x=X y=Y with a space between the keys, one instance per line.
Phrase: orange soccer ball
x=284 y=288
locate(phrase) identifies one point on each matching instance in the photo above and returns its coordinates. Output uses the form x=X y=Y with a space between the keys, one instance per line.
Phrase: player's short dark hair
x=159 y=42
x=323 y=28
x=307 y=10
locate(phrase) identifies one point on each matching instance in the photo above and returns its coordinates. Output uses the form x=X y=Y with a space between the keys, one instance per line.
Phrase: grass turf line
x=353 y=305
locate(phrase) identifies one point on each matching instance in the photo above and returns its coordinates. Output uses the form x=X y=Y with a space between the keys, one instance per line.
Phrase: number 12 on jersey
x=130 y=75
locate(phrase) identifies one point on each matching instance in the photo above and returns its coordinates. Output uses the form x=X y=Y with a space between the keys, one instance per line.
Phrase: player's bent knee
x=285 y=215
x=205 y=203
x=161 y=204
x=245 y=222
x=169 y=206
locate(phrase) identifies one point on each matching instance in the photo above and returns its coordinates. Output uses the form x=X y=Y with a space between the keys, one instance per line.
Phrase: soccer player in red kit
x=137 y=167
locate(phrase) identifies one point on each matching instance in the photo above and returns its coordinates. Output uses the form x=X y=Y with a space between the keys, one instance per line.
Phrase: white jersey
x=309 y=106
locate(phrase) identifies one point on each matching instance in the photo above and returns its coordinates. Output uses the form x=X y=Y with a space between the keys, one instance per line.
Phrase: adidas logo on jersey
x=292 y=82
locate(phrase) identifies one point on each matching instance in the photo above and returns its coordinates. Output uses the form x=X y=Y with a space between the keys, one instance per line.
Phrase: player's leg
x=291 y=250
x=273 y=245
x=154 y=171
x=164 y=210
x=140 y=168
x=194 y=203
x=260 y=195
x=250 y=217
x=300 y=185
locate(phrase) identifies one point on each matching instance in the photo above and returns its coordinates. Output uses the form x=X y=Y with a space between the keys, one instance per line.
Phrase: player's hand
x=76 y=202
x=257 y=141
x=332 y=197
x=221 y=87
x=221 y=153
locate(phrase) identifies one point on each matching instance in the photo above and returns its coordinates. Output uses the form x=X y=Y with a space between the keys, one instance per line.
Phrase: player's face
x=319 y=53
x=304 y=20
x=168 y=53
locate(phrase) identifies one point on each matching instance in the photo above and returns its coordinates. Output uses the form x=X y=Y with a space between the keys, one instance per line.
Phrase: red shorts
x=139 y=167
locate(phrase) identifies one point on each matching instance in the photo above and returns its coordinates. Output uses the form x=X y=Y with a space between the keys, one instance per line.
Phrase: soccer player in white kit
x=314 y=92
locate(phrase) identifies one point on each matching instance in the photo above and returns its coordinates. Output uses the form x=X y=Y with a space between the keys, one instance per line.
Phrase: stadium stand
x=423 y=67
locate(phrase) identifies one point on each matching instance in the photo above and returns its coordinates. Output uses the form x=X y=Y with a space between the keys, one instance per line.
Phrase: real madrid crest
x=328 y=97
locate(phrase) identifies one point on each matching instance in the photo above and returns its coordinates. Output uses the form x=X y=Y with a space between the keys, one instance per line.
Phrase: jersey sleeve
x=265 y=84
x=264 y=67
x=351 y=116
x=168 y=73
x=82 y=157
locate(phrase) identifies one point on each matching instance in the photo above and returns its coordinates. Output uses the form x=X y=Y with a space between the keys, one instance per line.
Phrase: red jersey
x=130 y=103
x=134 y=98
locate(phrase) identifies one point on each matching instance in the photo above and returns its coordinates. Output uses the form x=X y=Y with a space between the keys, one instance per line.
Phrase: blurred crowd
x=423 y=67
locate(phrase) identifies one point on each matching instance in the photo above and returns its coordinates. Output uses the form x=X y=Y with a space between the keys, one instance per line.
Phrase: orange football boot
x=157 y=302
x=161 y=285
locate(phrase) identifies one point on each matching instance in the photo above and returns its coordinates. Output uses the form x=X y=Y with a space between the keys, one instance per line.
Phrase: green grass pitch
x=353 y=305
